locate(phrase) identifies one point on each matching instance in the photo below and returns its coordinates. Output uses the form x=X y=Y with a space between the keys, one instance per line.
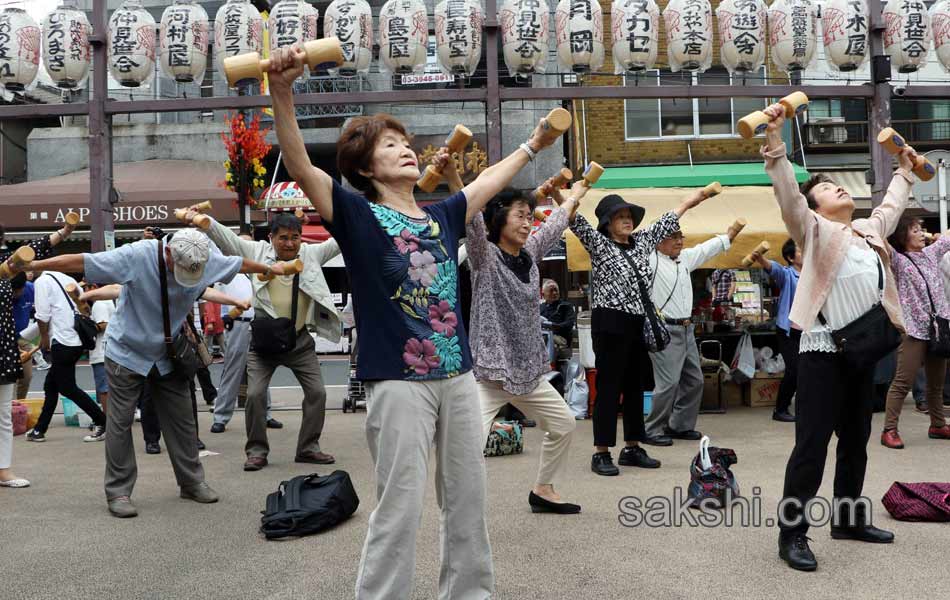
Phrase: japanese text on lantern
x=746 y=22
x=286 y=25
x=232 y=29
x=694 y=24
x=582 y=38
x=123 y=44
x=56 y=49
x=800 y=18
x=914 y=28
x=176 y=34
x=343 y=28
x=638 y=23
x=398 y=32
x=5 y=46
x=457 y=19
x=529 y=28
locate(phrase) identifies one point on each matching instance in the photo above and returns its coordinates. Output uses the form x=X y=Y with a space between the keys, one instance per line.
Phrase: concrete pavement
x=58 y=540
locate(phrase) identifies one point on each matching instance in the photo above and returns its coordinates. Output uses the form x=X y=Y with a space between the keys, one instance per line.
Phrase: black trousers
x=833 y=398
x=151 y=427
x=619 y=362
x=207 y=386
x=61 y=380
x=788 y=344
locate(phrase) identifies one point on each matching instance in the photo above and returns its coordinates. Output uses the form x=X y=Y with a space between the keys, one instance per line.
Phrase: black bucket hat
x=610 y=205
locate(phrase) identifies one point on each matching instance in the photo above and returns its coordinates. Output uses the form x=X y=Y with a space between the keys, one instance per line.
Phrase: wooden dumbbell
x=235 y=312
x=761 y=249
x=893 y=142
x=304 y=217
x=73 y=290
x=539 y=214
x=554 y=125
x=755 y=123
x=563 y=176
x=246 y=68
x=738 y=225
x=202 y=222
x=713 y=189
x=592 y=173
x=24 y=255
x=290 y=268
x=456 y=142
x=72 y=218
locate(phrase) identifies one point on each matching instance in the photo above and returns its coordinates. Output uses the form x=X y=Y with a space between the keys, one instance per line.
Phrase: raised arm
x=658 y=230
x=592 y=240
x=106 y=292
x=65 y=263
x=446 y=164
x=476 y=246
x=885 y=216
x=553 y=227
x=937 y=249
x=229 y=243
x=218 y=297
x=286 y=65
x=699 y=254
x=792 y=204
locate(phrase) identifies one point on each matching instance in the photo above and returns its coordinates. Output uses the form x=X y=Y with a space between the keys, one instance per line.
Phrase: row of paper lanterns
x=745 y=27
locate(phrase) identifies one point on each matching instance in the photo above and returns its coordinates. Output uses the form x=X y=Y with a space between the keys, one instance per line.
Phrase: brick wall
x=605 y=118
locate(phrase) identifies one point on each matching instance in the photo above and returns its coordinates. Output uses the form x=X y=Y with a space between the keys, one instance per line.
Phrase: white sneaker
x=138 y=416
x=98 y=434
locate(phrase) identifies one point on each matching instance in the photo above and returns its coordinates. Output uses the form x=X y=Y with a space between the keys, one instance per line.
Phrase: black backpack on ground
x=308 y=504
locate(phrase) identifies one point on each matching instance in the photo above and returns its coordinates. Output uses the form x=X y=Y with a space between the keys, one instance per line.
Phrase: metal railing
x=835 y=132
x=322 y=84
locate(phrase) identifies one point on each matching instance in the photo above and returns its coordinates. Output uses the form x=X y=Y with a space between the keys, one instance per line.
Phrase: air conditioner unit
x=827 y=130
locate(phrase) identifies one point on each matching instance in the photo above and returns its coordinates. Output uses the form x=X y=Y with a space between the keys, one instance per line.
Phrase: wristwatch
x=527 y=149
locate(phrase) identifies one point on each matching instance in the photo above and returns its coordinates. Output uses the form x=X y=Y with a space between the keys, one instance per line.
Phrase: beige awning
x=756 y=204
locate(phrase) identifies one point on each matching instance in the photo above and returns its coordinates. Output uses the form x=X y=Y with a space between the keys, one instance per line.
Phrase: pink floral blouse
x=912 y=287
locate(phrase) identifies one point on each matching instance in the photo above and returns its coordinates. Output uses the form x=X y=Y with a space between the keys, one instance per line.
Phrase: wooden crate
x=764 y=389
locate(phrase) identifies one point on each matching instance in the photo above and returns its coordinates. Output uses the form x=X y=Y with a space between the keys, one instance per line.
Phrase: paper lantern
x=184 y=41
x=635 y=31
x=907 y=34
x=287 y=22
x=793 y=34
x=403 y=36
x=689 y=35
x=311 y=16
x=458 y=35
x=844 y=28
x=525 y=26
x=351 y=22
x=742 y=31
x=19 y=49
x=238 y=29
x=940 y=22
x=579 y=31
x=66 y=50
x=131 y=44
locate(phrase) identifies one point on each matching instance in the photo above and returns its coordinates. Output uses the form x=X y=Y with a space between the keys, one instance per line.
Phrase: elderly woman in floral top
x=920 y=287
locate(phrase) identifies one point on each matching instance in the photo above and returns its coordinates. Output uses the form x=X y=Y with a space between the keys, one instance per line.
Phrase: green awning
x=728 y=174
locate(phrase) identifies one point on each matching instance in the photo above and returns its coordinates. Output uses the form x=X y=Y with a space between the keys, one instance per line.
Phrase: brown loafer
x=891 y=439
x=255 y=463
x=315 y=458
x=939 y=433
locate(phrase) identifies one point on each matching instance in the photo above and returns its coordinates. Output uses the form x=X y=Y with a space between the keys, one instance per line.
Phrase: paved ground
x=58 y=541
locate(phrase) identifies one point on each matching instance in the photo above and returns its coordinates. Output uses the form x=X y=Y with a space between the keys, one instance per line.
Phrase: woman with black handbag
x=624 y=322
x=847 y=307
x=926 y=343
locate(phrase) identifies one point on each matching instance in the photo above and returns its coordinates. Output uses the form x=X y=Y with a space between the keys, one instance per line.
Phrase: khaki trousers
x=911 y=354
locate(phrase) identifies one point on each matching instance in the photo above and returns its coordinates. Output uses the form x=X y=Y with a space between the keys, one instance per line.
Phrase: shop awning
x=852 y=181
x=755 y=204
x=731 y=174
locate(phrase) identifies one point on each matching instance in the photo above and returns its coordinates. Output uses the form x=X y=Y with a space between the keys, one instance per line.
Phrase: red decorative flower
x=420 y=356
x=442 y=319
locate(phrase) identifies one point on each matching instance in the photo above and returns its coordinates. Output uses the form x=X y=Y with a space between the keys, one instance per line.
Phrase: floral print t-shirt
x=404 y=276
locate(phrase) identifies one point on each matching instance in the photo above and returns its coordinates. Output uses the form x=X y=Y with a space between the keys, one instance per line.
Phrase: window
x=682 y=118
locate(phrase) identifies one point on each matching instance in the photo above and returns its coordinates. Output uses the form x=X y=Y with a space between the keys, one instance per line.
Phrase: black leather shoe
x=865 y=533
x=658 y=440
x=201 y=445
x=217 y=428
x=153 y=448
x=635 y=456
x=690 y=434
x=274 y=424
x=794 y=550
x=540 y=505
x=602 y=464
x=783 y=416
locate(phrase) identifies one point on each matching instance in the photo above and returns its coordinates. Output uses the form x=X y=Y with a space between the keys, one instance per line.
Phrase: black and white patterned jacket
x=613 y=282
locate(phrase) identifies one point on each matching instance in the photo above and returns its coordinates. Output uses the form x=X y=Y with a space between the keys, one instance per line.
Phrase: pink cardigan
x=824 y=243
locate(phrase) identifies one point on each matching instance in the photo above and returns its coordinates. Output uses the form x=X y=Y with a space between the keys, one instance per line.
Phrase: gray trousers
x=171 y=399
x=302 y=360
x=678 y=379
x=403 y=420
x=234 y=373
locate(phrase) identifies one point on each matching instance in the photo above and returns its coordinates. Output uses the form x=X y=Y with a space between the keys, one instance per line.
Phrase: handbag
x=504 y=440
x=870 y=337
x=308 y=504
x=85 y=327
x=656 y=337
x=939 y=330
x=270 y=335
x=710 y=477
x=182 y=350
x=925 y=501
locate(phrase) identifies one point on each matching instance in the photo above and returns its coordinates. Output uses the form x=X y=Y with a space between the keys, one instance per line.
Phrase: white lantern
x=742 y=30
x=184 y=41
x=131 y=44
x=311 y=16
x=238 y=29
x=287 y=22
x=907 y=34
x=689 y=34
x=351 y=22
x=940 y=21
x=19 y=49
x=579 y=30
x=844 y=28
x=793 y=34
x=403 y=36
x=525 y=26
x=458 y=35
x=635 y=31
x=66 y=49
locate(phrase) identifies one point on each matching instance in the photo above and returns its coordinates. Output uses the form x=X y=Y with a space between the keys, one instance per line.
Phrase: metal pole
x=942 y=194
x=493 y=98
x=879 y=116
x=244 y=225
x=100 y=136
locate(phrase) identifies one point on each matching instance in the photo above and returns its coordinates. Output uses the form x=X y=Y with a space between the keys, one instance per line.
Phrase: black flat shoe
x=274 y=424
x=866 y=533
x=658 y=440
x=540 y=505
x=783 y=416
x=153 y=448
x=690 y=434
x=794 y=550
x=635 y=456
x=602 y=464
x=201 y=445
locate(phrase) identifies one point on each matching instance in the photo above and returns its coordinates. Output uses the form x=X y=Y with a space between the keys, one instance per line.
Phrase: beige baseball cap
x=190 y=251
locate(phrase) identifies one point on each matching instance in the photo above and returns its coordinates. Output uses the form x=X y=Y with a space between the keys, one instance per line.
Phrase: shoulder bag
x=271 y=335
x=656 y=337
x=870 y=337
x=85 y=327
x=182 y=350
x=939 y=329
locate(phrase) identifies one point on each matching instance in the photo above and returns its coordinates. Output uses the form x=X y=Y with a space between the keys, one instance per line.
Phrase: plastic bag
x=576 y=390
x=743 y=363
x=711 y=477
